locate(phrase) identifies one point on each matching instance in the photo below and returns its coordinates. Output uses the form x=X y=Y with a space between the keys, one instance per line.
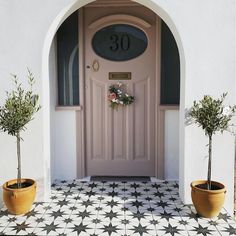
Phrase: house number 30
x=120 y=42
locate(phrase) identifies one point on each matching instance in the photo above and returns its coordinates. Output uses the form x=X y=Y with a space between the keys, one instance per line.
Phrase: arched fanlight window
x=170 y=68
x=67 y=62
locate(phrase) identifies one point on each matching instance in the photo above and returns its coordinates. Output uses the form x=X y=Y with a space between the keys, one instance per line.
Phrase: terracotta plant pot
x=208 y=203
x=19 y=201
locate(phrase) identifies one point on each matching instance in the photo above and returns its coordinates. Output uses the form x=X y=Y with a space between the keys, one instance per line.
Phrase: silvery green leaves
x=211 y=114
x=19 y=107
x=17 y=112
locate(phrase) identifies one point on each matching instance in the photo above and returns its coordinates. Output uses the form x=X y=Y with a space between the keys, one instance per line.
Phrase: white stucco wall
x=171 y=145
x=205 y=34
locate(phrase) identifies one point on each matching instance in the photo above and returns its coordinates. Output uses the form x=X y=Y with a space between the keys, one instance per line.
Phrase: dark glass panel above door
x=67 y=62
x=170 y=68
x=119 y=42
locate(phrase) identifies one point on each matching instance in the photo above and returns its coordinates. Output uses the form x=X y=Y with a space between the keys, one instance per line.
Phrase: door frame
x=159 y=109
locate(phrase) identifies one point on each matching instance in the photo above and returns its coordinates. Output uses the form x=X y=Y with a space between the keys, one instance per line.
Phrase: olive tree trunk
x=209 y=163
x=19 y=161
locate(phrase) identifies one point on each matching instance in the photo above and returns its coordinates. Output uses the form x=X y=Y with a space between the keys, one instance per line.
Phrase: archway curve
x=60 y=18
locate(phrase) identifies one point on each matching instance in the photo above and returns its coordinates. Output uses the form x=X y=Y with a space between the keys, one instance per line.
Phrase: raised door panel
x=97 y=119
x=119 y=134
x=141 y=117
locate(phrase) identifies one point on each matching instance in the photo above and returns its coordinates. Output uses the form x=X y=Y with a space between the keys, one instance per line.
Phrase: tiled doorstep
x=114 y=208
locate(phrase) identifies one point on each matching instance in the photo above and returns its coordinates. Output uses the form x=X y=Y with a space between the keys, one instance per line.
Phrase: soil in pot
x=23 y=185
x=204 y=186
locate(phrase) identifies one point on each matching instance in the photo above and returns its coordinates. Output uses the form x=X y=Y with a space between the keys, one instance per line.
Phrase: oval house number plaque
x=119 y=42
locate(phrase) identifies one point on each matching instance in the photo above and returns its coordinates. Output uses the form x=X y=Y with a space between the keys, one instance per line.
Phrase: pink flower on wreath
x=111 y=96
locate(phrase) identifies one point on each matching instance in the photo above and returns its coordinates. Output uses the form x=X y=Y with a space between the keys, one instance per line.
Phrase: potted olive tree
x=15 y=114
x=212 y=116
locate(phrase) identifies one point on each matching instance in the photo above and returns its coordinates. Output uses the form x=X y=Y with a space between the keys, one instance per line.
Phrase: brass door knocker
x=95 y=65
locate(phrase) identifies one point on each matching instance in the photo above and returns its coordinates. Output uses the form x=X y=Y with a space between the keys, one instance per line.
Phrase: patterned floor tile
x=3 y=223
x=50 y=228
x=202 y=229
x=227 y=229
x=18 y=229
x=111 y=215
x=138 y=216
x=84 y=215
x=110 y=228
x=1 y=230
x=70 y=222
x=140 y=228
x=111 y=206
x=171 y=227
x=82 y=228
x=108 y=208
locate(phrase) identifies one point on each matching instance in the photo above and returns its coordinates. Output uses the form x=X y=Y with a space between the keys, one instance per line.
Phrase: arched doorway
x=79 y=120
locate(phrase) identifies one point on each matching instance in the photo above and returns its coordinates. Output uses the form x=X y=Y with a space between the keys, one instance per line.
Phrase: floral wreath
x=118 y=97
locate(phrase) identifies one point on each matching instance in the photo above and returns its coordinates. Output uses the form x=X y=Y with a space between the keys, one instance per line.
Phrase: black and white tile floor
x=112 y=209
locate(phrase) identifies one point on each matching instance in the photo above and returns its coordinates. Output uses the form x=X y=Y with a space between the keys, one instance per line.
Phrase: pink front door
x=120 y=142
